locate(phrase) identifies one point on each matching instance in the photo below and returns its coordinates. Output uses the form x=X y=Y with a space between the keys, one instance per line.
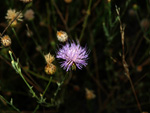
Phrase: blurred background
x=103 y=86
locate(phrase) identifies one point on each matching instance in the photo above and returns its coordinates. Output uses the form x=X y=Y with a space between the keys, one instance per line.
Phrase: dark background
x=104 y=74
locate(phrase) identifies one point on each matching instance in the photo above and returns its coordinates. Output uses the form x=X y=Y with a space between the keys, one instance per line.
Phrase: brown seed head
x=6 y=41
x=12 y=14
x=89 y=94
x=29 y=14
x=50 y=69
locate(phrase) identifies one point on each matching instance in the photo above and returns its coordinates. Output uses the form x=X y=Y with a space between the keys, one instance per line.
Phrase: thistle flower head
x=73 y=55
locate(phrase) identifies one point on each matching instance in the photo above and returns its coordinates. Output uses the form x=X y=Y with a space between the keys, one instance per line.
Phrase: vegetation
x=115 y=35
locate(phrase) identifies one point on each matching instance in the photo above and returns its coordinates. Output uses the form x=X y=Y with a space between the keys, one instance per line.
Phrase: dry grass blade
x=125 y=65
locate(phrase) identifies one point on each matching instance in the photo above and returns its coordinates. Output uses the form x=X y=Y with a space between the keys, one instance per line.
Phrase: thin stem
x=22 y=46
x=85 y=20
x=61 y=17
x=18 y=70
x=10 y=23
x=37 y=33
x=31 y=80
x=20 y=42
x=96 y=67
x=34 y=95
x=50 y=80
x=39 y=76
x=59 y=85
x=37 y=107
x=11 y=104
x=125 y=65
x=36 y=43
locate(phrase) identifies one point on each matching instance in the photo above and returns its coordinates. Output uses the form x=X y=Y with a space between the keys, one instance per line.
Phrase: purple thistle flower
x=72 y=54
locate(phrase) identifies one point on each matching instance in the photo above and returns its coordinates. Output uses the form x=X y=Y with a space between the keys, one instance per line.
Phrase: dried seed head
x=29 y=14
x=6 y=41
x=12 y=14
x=50 y=69
x=89 y=94
x=26 y=1
x=62 y=36
x=49 y=58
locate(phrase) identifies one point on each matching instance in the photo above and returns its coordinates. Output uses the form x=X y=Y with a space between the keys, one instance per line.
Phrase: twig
x=95 y=4
x=10 y=23
x=61 y=16
x=85 y=20
x=125 y=65
x=37 y=107
x=97 y=78
x=31 y=80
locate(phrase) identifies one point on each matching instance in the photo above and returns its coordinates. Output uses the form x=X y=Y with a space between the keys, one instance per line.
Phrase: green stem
x=19 y=42
x=85 y=20
x=37 y=33
x=50 y=80
x=11 y=104
x=37 y=107
x=36 y=43
x=22 y=47
x=59 y=85
x=17 y=37
x=30 y=87
x=39 y=76
x=18 y=70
